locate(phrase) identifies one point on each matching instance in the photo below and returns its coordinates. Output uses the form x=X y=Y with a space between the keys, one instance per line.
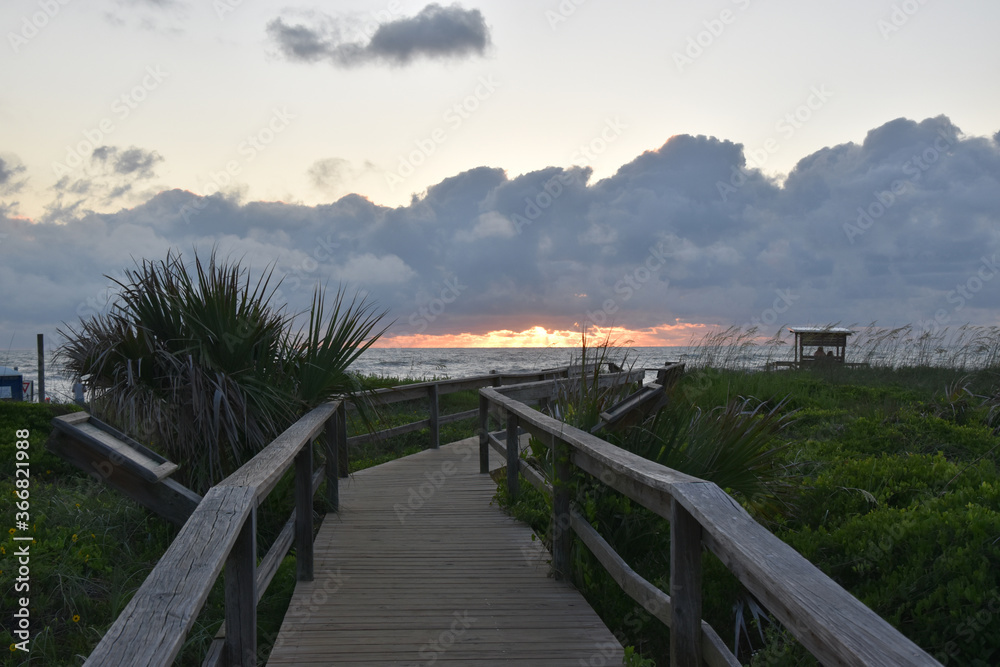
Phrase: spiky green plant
x=207 y=367
x=734 y=445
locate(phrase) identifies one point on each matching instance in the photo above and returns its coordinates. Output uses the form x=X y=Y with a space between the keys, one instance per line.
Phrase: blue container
x=10 y=385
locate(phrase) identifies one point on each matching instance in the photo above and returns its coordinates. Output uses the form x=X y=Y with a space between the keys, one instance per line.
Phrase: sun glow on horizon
x=664 y=335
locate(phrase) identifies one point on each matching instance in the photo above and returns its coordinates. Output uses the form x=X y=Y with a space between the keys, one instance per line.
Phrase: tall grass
x=967 y=347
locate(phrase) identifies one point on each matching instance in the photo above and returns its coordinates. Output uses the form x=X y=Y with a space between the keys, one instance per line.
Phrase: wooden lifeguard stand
x=810 y=339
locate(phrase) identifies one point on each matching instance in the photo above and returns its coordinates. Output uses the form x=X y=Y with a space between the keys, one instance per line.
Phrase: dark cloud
x=133 y=162
x=435 y=32
x=331 y=173
x=899 y=228
x=9 y=171
x=109 y=178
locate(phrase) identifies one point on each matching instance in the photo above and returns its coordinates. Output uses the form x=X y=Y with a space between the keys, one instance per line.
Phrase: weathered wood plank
x=331 y=464
x=304 y=515
x=562 y=539
x=154 y=624
x=652 y=599
x=241 y=597
x=831 y=623
x=685 y=589
x=513 y=457
x=263 y=471
x=392 y=578
x=389 y=432
x=168 y=498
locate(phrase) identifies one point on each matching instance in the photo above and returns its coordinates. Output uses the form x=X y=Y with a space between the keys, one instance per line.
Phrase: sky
x=511 y=173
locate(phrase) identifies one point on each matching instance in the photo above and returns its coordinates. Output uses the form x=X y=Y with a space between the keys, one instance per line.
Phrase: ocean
x=441 y=363
x=410 y=363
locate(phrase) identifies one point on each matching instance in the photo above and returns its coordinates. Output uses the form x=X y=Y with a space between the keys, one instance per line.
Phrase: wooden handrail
x=222 y=532
x=831 y=623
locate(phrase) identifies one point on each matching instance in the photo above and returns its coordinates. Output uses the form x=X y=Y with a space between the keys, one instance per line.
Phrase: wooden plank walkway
x=418 y=568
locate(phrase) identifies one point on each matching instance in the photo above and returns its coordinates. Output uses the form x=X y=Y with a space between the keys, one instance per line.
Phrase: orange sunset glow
x=664 y=335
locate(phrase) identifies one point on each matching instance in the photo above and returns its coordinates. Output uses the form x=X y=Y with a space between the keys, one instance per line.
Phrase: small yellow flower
x=12 y=648
x=94 y=536
x=74 y=537
x=12 y=531
x=78 y=504
x=76 y=618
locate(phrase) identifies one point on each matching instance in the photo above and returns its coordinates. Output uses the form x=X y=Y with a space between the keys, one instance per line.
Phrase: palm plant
x=206 y=367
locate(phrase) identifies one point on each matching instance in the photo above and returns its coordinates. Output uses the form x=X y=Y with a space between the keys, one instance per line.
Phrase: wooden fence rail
x=222 y=532
x=833 y=625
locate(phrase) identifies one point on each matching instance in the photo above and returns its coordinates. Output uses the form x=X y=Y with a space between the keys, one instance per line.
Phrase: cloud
x=435 y=32
x=109 y=177
x=10 y=169
x=900 y=227
x=333 y=175
x=160 y=16
x=134 y=162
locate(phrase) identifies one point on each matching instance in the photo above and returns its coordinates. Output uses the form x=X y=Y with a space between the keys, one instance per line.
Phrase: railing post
x=342 y=463
x=685 y=588
x=330 y=432
x=241 y=596
x=304 y=514
x=513 y=457
x=484 y=435
x=432 y=393
x=562 y=531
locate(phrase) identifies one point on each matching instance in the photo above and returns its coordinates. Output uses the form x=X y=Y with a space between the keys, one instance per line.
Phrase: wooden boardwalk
x=419 y=568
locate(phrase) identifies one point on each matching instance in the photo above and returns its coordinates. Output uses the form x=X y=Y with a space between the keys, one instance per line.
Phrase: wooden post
x=562 y=540
x=432 y=394
x=685 y=588
x=41 y=368
x=330 y=432
x=484 y=437
x=241 y=596
x=304 y=514
x=342 y=468
x=513 y=457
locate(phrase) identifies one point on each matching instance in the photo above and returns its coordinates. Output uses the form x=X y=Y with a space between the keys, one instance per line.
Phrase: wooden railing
x=833 y=625
x=434 y=390
x=221 y=532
